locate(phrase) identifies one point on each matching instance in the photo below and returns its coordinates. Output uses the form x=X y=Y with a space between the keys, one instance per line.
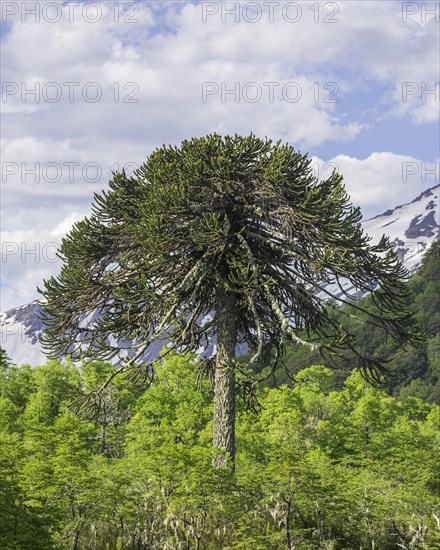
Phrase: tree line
x=343 y=468
x=329 y=461
x=332 y=442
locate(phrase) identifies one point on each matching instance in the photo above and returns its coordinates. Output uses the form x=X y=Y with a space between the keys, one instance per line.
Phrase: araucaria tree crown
x=226 y=237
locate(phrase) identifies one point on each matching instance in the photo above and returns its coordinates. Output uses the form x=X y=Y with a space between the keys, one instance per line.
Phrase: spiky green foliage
x=241 y=213
x=4 y=359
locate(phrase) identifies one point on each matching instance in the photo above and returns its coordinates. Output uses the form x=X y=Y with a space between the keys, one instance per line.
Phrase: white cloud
x=170 y=67
x=66 y=225
x=161 y=62
x=381 y=181
x=28 y=257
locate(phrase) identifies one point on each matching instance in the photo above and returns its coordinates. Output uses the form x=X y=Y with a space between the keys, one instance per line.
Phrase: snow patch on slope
x=410 y=227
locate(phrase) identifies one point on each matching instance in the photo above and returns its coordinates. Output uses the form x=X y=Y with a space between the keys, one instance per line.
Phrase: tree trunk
x=287 y=527
x=75 y=539
x=103 y=428
x=224 y=384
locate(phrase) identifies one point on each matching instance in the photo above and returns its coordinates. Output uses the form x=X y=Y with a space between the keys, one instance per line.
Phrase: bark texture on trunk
x=224 y=382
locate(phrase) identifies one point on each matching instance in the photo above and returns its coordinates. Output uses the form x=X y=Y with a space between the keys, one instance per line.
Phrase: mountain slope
x=411 y=228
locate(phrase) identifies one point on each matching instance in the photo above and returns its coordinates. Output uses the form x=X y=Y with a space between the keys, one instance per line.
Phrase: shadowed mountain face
x=422 y=226
x=28 y=317
x=410 y=227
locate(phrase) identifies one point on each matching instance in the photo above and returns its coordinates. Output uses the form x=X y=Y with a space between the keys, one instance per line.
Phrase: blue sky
x=353 y=83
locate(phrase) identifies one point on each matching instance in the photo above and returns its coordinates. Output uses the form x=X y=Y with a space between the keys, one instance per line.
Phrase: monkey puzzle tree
x=231 y=238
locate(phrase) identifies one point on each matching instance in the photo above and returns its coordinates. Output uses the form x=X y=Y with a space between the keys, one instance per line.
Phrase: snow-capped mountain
x=19 y=330
x=410 y=227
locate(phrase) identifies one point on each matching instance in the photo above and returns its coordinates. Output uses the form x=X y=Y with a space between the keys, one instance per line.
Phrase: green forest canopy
x=317 y=468
x=328 y=462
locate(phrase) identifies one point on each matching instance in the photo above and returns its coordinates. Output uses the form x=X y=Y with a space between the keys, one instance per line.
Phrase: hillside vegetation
x=412 y=371
x=329 y=461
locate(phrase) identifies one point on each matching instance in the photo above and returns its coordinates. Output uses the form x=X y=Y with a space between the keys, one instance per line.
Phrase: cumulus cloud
x=28 y=257
x=82 y=97
x=381 y=181
x=65 y=225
